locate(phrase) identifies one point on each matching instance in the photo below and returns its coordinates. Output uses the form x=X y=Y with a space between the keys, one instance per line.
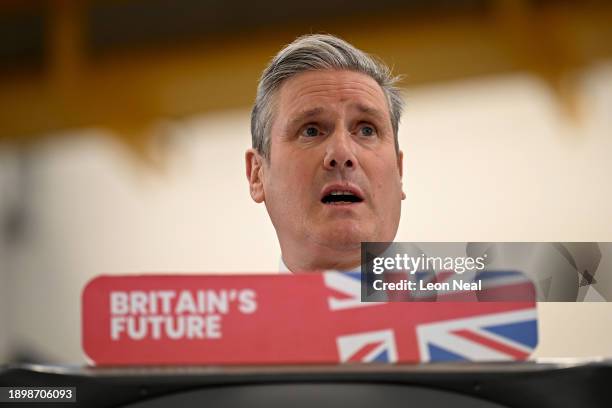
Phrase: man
x=325 y=157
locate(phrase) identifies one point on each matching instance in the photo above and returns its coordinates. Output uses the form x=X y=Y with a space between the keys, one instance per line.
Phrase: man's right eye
x=311 y=131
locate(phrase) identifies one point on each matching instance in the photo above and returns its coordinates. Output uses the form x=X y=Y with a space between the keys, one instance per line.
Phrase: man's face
x=333 y=178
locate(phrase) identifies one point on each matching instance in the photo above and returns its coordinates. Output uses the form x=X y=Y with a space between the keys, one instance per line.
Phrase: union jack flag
x=432 y=331
x=345 y=289
x=494 y=337
x=375 y=346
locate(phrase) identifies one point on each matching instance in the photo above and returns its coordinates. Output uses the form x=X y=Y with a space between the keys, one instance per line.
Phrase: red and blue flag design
x=494 y=337
x=502 y=335
x=369 y=347
x=289 y=319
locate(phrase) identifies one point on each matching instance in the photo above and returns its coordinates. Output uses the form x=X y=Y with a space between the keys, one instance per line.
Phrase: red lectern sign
x=288 y=319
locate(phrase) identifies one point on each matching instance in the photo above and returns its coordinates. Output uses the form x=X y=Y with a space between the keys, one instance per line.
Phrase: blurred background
x=123 y=126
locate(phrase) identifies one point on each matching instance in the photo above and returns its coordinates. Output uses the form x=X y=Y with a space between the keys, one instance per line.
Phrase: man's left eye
x=367 y=131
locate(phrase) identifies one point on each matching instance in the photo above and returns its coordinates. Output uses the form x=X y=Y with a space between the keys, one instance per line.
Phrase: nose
x=339 y=154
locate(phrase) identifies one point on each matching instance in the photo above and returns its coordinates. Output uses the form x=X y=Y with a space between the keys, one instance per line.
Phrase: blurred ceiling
x=123 y=65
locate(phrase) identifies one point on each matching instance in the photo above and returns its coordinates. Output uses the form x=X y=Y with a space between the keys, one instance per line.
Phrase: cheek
x=387 y=180
x=300 y=168
x=291 y=183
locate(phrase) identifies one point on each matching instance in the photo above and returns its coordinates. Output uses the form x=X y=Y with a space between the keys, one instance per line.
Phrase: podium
x=560 y=383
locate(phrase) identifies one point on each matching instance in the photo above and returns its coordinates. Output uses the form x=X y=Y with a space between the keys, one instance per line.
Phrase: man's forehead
x=301 y=113
x=310 y=93
x=321 y=82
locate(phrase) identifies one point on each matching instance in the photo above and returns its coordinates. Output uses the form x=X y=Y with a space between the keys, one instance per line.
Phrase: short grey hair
x=310 y=53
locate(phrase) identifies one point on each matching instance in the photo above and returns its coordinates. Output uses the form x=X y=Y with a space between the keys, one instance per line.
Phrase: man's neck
x=322 y=260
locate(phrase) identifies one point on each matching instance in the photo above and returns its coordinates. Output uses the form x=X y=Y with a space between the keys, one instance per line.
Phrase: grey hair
x=317 y=52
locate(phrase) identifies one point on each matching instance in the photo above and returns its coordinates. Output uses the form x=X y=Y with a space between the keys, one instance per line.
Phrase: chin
x=346 y=236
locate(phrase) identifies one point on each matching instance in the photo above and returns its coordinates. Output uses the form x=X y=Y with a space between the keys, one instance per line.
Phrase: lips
x=341 y=194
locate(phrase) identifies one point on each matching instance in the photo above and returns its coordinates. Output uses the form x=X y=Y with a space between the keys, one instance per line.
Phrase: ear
x=254 y=172
x=400 y=167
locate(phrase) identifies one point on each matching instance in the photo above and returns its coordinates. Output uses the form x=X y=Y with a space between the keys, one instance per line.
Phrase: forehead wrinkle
x=364 y=103
x=348 y=88
x=337 y=80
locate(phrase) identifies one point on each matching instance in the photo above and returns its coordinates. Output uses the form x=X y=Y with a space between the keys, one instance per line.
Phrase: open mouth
x=340 y=197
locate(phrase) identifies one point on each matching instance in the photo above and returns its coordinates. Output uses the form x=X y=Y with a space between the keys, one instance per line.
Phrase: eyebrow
x=370 y=111
x=310 y=113
x=302 y=116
